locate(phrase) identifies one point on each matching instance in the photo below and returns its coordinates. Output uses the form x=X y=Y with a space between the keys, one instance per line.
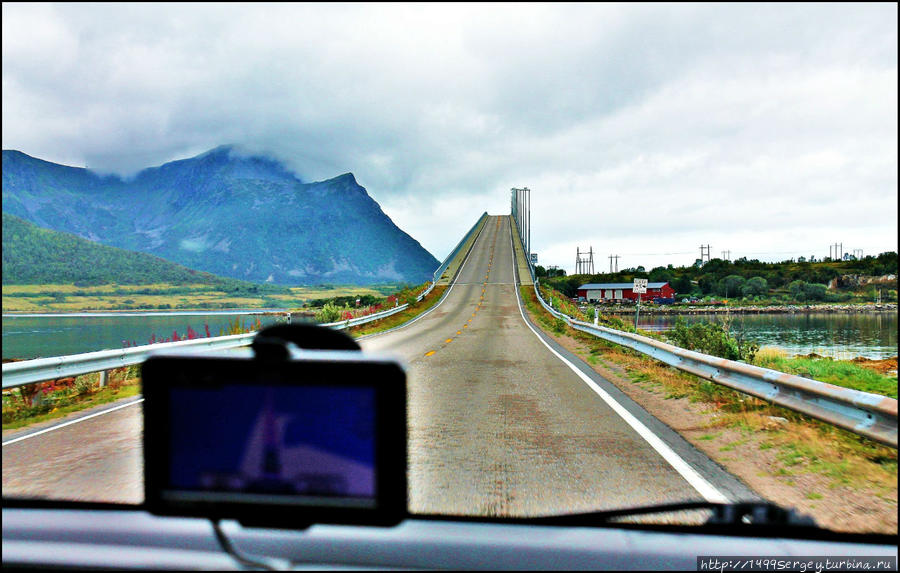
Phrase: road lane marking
x=449 y=340
x=698 y=482
x=440 y=302
x=63 y=425
x=429 y=353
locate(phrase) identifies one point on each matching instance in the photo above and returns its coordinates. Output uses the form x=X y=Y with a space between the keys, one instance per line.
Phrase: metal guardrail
x=41 y=369
x=351 y=322
x=456 y=249
x=30 y=371
x=862 y=413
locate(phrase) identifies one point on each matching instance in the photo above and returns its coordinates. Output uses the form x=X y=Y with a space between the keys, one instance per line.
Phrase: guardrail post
x=596 y=316
x=104 y=378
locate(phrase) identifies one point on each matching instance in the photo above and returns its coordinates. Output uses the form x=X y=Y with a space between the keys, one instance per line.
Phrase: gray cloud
x=640 y=128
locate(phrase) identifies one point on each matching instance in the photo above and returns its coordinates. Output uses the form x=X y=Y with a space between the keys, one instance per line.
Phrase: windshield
x=187 y=173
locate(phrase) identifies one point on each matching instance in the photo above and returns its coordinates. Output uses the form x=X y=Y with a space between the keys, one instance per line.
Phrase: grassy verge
x=395 y=320
x=58 y=399
x=848 y=374
x=786 y=456
x=448 y=274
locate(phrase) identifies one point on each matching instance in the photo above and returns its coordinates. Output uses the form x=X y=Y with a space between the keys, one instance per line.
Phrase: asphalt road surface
x=499 y=423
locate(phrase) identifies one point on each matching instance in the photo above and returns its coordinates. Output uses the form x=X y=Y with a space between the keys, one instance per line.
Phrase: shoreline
x=142 y=312
x=772 y=309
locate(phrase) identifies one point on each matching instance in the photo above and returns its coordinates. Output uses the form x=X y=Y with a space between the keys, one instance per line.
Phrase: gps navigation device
x=310 y=437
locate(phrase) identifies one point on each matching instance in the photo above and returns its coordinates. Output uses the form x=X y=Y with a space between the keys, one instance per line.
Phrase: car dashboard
x=135 y=539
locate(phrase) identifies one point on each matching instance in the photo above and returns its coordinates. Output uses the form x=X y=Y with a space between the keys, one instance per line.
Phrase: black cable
x=268 y=564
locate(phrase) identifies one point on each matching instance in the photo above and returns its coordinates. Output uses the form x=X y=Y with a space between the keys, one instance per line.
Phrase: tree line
x=802 y=279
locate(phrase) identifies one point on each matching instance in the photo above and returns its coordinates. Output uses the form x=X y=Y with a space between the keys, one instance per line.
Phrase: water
x=41 y=335
x=839 y=335
x=842 y=336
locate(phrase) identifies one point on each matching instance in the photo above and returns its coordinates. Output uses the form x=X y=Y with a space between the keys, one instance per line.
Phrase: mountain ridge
x=231 y=214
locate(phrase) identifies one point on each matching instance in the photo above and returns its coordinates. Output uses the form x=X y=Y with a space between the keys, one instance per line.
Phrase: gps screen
x=260 y=444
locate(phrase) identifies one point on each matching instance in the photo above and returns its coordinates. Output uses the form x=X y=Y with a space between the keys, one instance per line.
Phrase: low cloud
x=642 y=130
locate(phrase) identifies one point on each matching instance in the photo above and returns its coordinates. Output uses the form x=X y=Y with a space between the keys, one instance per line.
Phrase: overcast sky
x=768 y=130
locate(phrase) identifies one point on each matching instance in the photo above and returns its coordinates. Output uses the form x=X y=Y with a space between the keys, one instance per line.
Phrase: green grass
x=839 y=373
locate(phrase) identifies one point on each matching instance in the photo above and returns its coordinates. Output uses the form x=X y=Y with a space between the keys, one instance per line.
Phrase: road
x=499 y=423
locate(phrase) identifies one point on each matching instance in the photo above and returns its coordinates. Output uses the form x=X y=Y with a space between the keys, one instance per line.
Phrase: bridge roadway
x=499 y=425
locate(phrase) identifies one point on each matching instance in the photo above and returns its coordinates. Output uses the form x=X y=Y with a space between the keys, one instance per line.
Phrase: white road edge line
x=698 y=482
x=440 y=302
x=14 y=440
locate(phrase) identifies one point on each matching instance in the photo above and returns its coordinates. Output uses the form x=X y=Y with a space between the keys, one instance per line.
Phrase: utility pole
x=521 y=211
x=726 y=255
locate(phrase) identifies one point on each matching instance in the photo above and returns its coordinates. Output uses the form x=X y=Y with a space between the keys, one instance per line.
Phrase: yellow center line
x=449 y=340
x=459 y=332
x=429 y=353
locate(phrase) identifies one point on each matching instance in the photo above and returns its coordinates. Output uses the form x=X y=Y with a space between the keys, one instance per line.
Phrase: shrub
x=84 y=385
x=711 y=338
x=329 y=313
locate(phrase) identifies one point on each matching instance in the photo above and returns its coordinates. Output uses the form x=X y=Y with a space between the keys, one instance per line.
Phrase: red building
x=619 y=292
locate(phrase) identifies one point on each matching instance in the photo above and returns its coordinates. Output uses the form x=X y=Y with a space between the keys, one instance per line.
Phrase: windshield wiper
x=744 y=514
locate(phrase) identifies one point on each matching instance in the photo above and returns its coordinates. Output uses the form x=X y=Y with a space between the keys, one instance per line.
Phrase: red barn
x=618 y=292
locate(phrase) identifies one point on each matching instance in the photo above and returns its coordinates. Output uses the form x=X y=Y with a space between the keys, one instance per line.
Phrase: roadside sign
x=533 y=258
x=640 y=287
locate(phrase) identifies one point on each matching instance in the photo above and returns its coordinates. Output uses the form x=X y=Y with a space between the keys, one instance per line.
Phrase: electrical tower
x=611 y=258
x=704 y=254
x=584 y=261
x=726 y=255
x=836 y=252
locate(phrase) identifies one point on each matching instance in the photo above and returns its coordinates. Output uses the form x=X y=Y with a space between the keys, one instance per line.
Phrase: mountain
x=245 y=217
x=33 y=255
